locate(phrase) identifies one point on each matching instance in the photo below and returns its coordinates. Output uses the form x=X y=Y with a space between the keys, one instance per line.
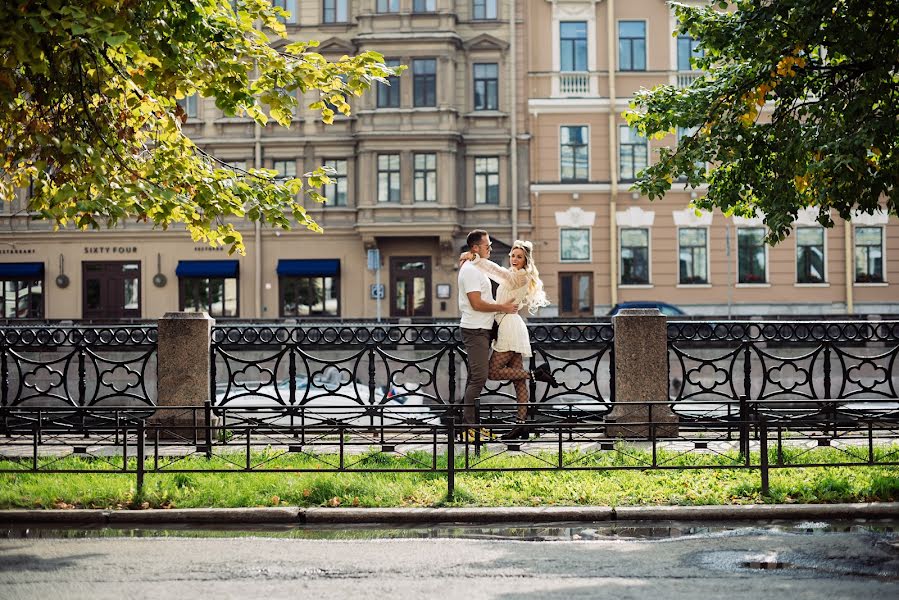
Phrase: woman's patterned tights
x=507 y=366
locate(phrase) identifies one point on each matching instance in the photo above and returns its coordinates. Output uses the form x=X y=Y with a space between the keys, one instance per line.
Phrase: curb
x=295 y=516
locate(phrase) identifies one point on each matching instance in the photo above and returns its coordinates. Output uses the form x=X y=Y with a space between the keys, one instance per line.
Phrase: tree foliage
x=90 y=118
x=829 y=72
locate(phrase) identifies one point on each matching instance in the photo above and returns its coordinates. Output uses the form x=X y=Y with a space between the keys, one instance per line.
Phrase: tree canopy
x=828 y=70
x=90 y=116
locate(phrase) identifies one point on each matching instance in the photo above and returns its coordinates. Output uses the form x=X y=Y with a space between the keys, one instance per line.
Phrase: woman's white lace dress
x=513 y=287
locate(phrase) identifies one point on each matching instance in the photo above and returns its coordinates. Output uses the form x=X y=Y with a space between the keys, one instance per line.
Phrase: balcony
x=685 y=79
x=575 y=84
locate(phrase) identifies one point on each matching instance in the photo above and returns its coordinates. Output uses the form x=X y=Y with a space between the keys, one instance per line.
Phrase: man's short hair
x=475 y=237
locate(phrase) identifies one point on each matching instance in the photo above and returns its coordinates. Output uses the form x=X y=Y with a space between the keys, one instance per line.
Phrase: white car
x=330 y=398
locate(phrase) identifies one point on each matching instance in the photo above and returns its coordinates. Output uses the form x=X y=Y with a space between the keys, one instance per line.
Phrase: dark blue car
x=669 y=310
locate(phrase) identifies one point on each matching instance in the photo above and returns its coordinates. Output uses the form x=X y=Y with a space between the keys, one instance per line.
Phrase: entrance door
x=410 y=286
x=111 y=290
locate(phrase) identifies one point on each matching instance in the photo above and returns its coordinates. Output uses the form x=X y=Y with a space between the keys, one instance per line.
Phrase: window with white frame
x=693 y=255
x=486 y=180
x=573 y=46
x=420 y=6
x=483 y=10
x=752 y=257
x=388 y=6
x=632 y=45
x=334 y=11
x=574 y=153
x=486 y=86
x=290 y=6
x=335 y=191
x=810 y=264
x=425 y=177
x=869 y=255
x=633 y=153
x=574 y=244
x=634 y=256
x=388 y=178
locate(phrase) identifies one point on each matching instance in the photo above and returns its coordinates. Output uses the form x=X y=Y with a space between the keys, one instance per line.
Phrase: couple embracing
x=519 y=287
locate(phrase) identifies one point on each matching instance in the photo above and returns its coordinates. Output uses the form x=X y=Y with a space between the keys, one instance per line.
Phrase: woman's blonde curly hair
x=535 y=297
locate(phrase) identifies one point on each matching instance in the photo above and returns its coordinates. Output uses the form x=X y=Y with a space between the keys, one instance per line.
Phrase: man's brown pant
x=477 y=345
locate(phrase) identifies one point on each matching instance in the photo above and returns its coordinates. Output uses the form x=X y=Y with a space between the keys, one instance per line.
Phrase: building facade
x=511 y=125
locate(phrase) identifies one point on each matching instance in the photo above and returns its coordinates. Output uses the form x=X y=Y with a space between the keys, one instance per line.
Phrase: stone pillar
x=183 y=374
x=641 y=375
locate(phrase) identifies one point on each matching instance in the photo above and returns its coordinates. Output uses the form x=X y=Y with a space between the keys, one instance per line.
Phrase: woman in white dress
x=521 y=284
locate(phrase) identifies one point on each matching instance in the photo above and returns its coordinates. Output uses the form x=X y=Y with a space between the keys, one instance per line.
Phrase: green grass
x=625 y=482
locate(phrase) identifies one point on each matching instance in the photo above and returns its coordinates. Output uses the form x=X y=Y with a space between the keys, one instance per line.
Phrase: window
x=693 y=255
x=388 y=178
x=287 y=169
x=869 y=255
x=290 y=6
x=336 y=192
x=334 y=11
x=388 y=6
x=424 y=82
x=313 y=296
x=484 y=9
x=486 y=96
x=420 y=6
x=22 y=290
x=810 y=255
x=574 y=244
x=425 y=177
x=573 y=46
x=389 y=93
x=575 y=294
x=208 y=285
x=633 y=153
x=634 y=256
x=486 y=180
x=687 y=49
x=574 y=157
x=189 y=105
x=632 y=45
x=751 y=255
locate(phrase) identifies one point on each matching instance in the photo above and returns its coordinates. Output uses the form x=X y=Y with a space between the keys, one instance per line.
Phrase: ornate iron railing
x=419 y=367
x=77 y=366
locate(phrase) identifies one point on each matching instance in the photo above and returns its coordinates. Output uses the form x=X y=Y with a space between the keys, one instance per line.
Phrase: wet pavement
x=798 y=560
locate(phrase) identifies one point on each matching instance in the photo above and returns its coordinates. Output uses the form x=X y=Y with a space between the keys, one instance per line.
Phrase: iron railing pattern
x=77 y=366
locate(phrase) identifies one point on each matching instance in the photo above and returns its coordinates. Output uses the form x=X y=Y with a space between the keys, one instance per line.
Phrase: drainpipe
x=513 y=116
x=850 y=275
x=613 y=156
x=257 y=229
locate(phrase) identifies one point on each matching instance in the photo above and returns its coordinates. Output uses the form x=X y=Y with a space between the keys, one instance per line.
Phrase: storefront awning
x=29 y=270
x=307 y=267
x=207 y=268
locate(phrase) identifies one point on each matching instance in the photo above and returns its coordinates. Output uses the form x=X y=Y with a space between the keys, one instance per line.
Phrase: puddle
x=559 y=532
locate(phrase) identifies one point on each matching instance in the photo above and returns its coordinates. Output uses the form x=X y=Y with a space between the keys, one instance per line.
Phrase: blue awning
x=309 y=267
x=207 y=268
x=29 y=270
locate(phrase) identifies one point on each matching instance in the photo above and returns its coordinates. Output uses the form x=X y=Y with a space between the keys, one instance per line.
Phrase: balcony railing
x=575 y=84
x=686 y=78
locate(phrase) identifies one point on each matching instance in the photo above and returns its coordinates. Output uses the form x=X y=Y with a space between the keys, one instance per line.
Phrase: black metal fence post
x=763 y=453
x=451 y=460
x=140 y=457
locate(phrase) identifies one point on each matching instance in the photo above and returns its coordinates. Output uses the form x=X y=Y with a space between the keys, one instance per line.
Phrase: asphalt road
x=721 y=564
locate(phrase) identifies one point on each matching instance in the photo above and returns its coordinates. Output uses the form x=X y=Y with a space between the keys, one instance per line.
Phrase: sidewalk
x=316 y=516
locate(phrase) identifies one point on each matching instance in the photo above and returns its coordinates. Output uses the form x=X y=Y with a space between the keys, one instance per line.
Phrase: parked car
x=327 y=398
x=669 y=310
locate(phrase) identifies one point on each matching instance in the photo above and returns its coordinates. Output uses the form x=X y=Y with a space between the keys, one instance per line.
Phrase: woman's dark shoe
x=517 y=433
x=543 y=373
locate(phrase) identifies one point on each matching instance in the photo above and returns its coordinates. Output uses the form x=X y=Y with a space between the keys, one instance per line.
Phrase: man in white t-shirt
x=477 y=307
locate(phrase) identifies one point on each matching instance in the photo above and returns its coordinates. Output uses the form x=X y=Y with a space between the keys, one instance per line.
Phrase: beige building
x=424 y=161
x=601 y=244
